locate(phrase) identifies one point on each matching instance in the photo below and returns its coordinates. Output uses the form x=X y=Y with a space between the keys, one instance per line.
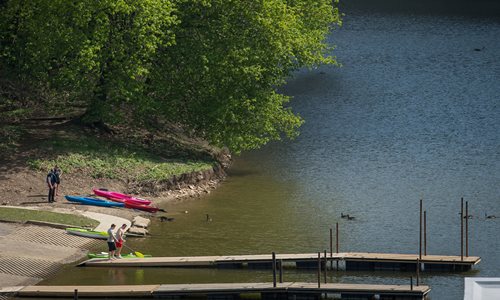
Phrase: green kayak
x=105 y=255
x=88 y=233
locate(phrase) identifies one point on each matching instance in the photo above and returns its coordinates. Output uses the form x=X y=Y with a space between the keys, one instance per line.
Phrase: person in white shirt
x=111 y=242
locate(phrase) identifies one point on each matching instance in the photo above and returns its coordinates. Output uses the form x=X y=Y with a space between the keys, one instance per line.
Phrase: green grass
x=22 y=215
x=98 y=159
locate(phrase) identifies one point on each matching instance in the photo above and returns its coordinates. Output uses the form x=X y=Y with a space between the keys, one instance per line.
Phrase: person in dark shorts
x=111 y=242
x=57 y=173
x=51 y=183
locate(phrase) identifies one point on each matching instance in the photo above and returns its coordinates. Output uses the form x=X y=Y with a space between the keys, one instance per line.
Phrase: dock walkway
x=229 y=291
x=353 y=261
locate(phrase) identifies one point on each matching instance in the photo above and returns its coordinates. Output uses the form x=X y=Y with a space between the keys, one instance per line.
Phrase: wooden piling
x=420 y=233
x=466 y=228
x=274 y=269
x=75 y=295
x=319 y=269
x=425 y=232
x=462 y=229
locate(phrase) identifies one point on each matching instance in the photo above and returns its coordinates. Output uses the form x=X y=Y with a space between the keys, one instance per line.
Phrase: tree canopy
x=211 y=65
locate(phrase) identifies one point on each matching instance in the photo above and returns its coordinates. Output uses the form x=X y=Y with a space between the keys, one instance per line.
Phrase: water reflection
x=413 y=113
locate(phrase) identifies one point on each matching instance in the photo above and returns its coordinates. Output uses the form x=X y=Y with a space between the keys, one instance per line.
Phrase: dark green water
x=413 y=113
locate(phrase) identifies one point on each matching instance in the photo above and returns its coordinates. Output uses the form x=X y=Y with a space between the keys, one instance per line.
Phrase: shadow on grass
x=33 y=202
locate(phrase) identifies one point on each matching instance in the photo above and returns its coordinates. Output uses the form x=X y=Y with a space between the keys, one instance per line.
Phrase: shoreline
x=47 y=254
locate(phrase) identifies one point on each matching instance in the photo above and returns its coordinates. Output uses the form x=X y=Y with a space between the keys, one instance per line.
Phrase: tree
x=98 y=52
x=221 y=76
x=211 y=65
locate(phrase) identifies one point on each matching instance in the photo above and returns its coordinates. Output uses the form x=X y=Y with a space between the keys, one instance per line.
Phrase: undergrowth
x=100 y=159
x=9 y=137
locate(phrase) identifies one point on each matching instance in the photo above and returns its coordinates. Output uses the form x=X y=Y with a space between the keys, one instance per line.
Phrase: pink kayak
x=119 y=197
x=143 y=207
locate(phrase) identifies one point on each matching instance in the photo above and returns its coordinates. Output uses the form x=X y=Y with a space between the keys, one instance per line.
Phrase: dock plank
x=88 y=290
x=212 y=261
x=130 y=291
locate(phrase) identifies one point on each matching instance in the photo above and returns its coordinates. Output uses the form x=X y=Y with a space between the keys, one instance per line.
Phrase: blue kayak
x=94 y=201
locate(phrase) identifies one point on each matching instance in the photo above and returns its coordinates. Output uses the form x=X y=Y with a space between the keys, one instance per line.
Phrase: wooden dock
x=353 y=261
x=231 y=291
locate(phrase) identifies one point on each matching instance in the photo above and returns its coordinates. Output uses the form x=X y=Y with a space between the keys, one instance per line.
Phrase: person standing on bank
x=111 y=242
x=119 y=237
x=51 y=183
x=57 y=173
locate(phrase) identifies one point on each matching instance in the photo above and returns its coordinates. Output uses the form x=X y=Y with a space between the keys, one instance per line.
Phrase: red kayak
x=119 y=197
x=143 y=207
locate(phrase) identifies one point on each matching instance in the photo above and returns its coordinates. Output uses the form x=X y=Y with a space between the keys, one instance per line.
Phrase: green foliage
x=95 y=50
x=230 y=56
x=23 y=215
x=212 y=65
x=98 y=159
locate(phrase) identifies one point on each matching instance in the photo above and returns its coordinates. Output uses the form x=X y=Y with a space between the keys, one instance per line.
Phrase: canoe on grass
x=119 y=197
x=88 y=233
x=94 y=201
x=105 y=255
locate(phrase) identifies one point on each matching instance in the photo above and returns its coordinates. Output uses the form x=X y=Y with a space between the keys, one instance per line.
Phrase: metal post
x=462 y=230
x=75 y=295
x=326 y=264
x=425 y=232
x=420 y=233
x=319 y=269
x=331 y=249
x=337 y=237
x=274 y=269
x=281 y=270
x=411 y=283
x=467 y=228
x=418 y=272
x=337 y=242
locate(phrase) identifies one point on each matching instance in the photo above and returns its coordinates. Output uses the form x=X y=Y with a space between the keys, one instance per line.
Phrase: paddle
x=137 y=253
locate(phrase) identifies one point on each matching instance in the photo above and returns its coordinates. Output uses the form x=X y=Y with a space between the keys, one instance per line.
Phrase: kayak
x=94 y=201
x=119 y=197
x=106 y=255
x=88 y=233
x=142 y=207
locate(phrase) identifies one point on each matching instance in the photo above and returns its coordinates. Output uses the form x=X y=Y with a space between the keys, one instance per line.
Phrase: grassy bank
x=23 y=215
x=102 y=159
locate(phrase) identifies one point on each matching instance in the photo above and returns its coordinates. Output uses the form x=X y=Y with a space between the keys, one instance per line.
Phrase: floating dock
x=232 y=291
x=352 y=260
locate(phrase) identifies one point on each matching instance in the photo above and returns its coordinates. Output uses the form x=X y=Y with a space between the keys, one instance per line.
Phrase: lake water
x=414 y=113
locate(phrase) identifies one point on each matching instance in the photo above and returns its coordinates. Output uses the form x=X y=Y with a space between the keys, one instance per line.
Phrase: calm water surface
x=413 y=113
